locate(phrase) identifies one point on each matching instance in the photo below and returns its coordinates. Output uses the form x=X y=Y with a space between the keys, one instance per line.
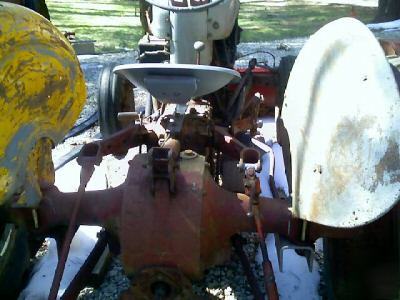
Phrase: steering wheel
x=182 y=9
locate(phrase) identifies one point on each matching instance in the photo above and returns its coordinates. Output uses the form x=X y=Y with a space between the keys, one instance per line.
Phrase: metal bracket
x=176 y=122
x=163 y=166
x=249 y=164
x=282 y=244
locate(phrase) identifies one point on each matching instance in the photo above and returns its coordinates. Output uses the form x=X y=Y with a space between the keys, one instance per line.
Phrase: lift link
x=89 y=157
x=250 y=161
x=269 y=278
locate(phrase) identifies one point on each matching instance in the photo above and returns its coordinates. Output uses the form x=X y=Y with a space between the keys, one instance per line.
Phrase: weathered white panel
x=342 y=113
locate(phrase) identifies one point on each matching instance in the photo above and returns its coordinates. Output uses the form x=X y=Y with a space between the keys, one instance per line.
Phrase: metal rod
x=86 y=173
x=82 y=126
x=242 y=83
x=237 y=242
x=269 y=278
x=71 y=155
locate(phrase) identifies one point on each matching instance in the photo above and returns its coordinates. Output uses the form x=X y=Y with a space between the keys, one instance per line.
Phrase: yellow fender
x=42 y=91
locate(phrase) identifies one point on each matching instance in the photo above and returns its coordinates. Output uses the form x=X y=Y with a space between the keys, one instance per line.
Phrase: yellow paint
x=4 y=180
x=39 y=172
x=42 y=91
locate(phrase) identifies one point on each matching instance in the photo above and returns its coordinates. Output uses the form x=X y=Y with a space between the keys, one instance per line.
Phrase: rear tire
x=38 y=6
x=366 y=266
x=115 y=94
x=14 y=261
x=284 y=69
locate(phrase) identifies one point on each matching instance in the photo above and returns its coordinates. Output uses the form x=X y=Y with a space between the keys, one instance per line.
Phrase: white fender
x=342 y=113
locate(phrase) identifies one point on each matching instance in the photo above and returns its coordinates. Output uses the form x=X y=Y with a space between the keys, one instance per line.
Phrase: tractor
x=206 y=169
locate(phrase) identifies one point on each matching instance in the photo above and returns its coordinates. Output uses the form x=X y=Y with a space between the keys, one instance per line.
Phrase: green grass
x=112 y=23
x=263 y=23
x=115 y=26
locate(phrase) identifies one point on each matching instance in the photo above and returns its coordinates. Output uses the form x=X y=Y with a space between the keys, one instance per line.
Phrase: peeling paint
x=42 y=92
x=389 y=163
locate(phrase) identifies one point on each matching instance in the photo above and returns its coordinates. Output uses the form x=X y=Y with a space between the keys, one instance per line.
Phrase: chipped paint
x=42 y=92
x=342 y=113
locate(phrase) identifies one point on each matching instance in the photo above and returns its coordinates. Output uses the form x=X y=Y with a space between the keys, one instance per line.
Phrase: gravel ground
x=220 y=282
x=269 y=53
x=115 y=282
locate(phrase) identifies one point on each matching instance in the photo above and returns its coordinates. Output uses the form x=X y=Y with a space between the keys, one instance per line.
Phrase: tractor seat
x=177 y=83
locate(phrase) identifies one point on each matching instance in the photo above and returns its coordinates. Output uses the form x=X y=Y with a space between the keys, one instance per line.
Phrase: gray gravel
x=220 y=282
x=115 y=282
x=228 y=281
x=278 y=49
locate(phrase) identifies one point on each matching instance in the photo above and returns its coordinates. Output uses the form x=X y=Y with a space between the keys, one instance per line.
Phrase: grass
x=263 y=23
x=115 y=25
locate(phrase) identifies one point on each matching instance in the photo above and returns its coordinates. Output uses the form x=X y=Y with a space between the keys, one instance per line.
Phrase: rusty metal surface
x=189 y=229
x=390 y=47
x=101 y=207
x=166 y=226
x=172 y=217
x=342 y=113
x=250 y=162
x=120 y=142
x=163 y=163
x=196 y=127
x=184 y=227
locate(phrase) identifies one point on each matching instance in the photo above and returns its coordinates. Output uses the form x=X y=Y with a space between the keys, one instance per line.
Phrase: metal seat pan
x=177 y=83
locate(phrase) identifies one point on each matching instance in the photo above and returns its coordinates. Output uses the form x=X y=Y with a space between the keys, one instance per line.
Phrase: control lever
x=198 y=47
x=245 y=78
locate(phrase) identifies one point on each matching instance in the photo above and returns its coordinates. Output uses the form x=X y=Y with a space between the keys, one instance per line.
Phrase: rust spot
x=390 y=163
x=344 y=161
x=345 y=157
